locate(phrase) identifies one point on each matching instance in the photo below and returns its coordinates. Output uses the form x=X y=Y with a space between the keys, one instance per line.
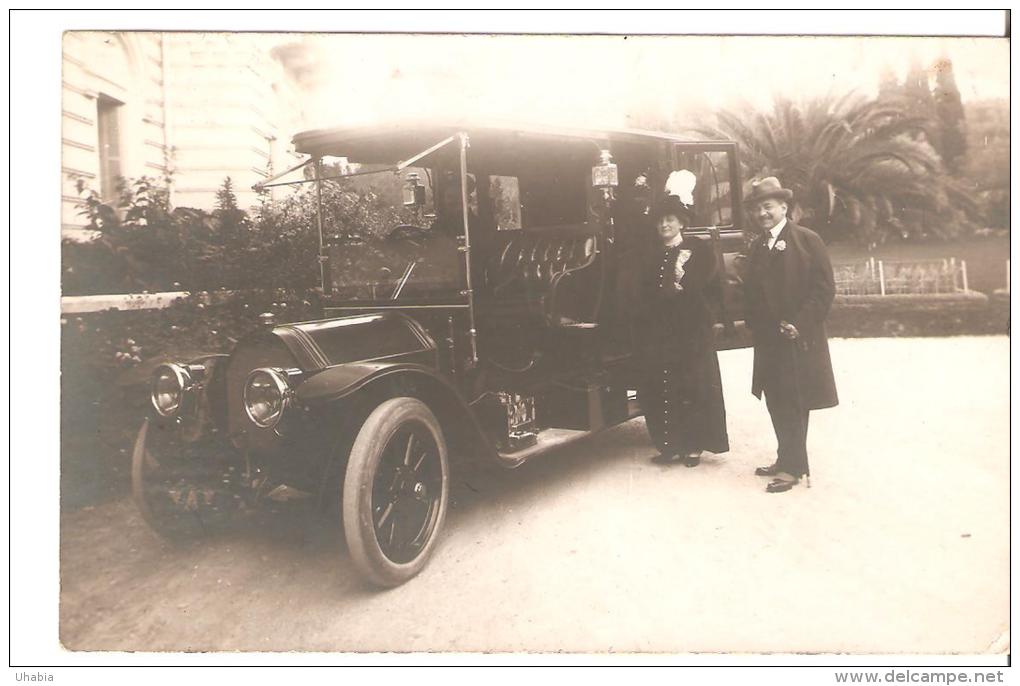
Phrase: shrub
x=145 y=245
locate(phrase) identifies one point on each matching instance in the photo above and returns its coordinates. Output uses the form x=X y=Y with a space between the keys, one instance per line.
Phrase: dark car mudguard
x=349 y=381
x=343 y=381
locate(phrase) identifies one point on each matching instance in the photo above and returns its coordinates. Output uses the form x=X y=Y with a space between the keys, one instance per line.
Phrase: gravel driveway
x=901 y=544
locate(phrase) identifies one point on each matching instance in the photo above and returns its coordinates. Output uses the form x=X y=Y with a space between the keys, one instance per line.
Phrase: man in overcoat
x=788 y=290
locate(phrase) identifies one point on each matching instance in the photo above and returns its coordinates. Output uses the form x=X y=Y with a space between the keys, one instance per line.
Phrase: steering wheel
x=405 y=231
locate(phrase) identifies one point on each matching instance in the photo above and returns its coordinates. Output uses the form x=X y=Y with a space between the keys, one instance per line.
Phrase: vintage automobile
x=482 y=323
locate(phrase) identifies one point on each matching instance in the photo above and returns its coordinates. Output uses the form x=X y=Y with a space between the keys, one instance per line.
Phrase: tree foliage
x=859 y=168
x=987 y=159
x=952 y=141
x=143 y=244
x=915 y=94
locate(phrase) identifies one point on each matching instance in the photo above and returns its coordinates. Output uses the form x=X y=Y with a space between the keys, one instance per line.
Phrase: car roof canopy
x=394 y=142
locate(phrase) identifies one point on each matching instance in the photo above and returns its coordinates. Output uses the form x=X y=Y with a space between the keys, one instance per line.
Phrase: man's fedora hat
x=769 y=187
x=671 y=204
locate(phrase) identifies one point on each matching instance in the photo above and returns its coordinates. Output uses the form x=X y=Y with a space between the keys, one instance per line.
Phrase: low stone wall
x=880 y=316
x=951 y=314
x=967 y=299
x=84 y=304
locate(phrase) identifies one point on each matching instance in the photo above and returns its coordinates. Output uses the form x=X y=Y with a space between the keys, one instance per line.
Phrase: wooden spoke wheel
x=395 y=491
x=179 y=497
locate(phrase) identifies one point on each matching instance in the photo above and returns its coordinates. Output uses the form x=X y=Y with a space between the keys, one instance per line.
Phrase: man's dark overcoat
x=680 y=388
x=794 y=284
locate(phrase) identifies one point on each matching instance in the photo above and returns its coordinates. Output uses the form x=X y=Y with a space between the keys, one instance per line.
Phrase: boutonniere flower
x=780 y=246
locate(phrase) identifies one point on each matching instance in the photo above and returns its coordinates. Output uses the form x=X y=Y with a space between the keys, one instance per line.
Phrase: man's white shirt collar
x=774 y=232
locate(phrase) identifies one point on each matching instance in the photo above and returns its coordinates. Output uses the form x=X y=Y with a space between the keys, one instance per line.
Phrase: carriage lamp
x=171 y=384
x=605 y=174
x=414 y=191
x=267 y=394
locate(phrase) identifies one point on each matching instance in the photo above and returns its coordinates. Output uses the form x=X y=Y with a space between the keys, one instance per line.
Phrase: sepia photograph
x=448 y=342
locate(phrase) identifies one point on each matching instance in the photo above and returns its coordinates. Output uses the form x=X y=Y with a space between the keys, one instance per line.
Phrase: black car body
x=489 y=329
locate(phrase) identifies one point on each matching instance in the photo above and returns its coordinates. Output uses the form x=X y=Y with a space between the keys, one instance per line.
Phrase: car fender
x=341 y=381
x=346 y=384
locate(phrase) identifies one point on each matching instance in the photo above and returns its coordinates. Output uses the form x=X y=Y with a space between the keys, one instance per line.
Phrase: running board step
x=546 y=439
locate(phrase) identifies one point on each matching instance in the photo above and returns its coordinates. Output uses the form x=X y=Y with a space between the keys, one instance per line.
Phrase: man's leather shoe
x=771 y=470
x=781 y=485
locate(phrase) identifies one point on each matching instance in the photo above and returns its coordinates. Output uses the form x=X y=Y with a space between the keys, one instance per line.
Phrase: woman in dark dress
x=680 y=390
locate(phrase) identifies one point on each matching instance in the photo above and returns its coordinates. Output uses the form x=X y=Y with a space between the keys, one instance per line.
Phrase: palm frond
x=857 y=165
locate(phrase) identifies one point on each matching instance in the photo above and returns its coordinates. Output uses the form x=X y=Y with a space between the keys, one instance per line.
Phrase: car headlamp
x=267 y=394
x=170 y=383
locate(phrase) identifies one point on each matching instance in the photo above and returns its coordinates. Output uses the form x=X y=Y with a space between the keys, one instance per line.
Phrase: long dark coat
x=680 y=389
x=795 y=285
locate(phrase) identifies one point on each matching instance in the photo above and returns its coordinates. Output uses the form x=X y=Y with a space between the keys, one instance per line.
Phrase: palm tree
x=859 y=168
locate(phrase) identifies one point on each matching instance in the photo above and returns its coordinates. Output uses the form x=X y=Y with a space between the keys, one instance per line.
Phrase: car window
x=713 y=203
x=505 y=194
x=388 y=189
x=395 y=236
x=554 y=196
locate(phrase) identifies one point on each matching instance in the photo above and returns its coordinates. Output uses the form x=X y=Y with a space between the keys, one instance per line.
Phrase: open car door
x=718 y=218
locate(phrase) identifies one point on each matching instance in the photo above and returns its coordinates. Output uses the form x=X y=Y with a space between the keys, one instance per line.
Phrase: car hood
x=320 y=344
x=314 y=346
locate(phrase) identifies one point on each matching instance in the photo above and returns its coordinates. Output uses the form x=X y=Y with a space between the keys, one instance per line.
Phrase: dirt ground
x=900 y=546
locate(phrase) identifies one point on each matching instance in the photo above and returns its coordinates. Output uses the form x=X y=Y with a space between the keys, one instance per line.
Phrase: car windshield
x=395 y=235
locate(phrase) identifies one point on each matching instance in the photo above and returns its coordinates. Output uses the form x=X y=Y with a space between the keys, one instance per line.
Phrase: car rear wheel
x=395 y=491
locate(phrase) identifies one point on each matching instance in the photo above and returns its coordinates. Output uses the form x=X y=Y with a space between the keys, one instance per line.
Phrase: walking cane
x=800 y=402
x=794 y=347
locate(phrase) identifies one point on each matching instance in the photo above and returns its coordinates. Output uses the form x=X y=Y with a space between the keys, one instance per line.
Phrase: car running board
x=546 y=439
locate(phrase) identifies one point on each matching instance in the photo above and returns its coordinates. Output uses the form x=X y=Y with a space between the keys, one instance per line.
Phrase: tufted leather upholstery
x=524 y=275
x=531 y=264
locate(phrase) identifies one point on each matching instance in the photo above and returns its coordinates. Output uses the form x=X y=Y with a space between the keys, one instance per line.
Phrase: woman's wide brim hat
x=671 y=204
x=767 y=188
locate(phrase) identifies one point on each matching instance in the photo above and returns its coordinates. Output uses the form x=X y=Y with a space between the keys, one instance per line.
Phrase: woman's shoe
x=781 y=485
x=665 y=458
x=692 y=460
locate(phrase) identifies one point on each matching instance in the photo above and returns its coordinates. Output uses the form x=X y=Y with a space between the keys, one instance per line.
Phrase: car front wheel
x=180 y=493
x=395 y=491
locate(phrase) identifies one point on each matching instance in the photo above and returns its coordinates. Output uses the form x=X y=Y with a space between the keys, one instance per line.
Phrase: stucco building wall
x=188 y=109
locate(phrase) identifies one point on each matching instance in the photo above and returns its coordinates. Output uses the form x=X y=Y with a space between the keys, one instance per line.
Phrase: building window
x=109 y=112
